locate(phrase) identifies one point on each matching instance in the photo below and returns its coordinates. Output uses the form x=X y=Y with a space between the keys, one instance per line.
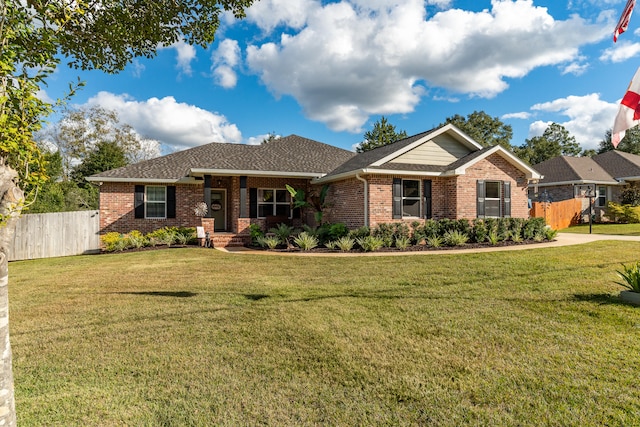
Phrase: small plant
x=455 y=238
x=434 y=241
x=370 y=243
x=110 y=240
x=255 y=231
x=493 y=238
x=516 y=237
x=282 y=232
x=162 y=236
x=136 y=239
x=630 y=276
x=306 y=241
x=345 y=243
x=539 y=237
x=360 y=233
x=550 y=233
x=402 y=242
x=331 y=245
x=270 y=242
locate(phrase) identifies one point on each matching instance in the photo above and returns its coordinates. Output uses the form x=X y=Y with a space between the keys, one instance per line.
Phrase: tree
x=482 y=128
x=629 y=144
x=80 y=131
x=555 y=141
x=101 y=34
x=383 y=133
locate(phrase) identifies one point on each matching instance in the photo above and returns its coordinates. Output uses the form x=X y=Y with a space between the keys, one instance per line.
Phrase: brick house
x=567 y=177
x=440 y=173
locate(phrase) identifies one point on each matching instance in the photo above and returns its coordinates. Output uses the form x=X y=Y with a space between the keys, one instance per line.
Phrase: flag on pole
x=629 y=111
x=623 y=23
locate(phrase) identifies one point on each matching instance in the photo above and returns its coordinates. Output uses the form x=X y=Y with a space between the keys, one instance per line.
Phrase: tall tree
x=555 y=141
x=630 y=143
x=482 y=128
x=100 y=34
x=80 y=131
x=383 y=133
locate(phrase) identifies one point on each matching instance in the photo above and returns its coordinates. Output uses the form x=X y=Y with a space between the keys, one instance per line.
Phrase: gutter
x=366 y=198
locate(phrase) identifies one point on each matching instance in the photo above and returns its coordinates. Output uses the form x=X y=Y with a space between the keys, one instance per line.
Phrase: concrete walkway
x=562 y=239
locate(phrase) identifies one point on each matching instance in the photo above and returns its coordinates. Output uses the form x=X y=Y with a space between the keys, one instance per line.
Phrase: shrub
x=306 y=241
x=402 y=242
x=110 y=240
x=479 y=231
x=270 y=242
x=630 y=195
x=550 y=233
x=136 y=239
x=532 y=227
x=434 y=241
x=630 y=276
x=282 y=232
x=255 y=231
x=624 y=213
x=360 y=232
x=345 y=243
x=162 y=236
x=370 y=243
x=331 y=245
x=455 y=238
x=385 y=233
x=338 y=230
x=514 y=227
x=493 y=238
x=184 y=235
x=430 y=228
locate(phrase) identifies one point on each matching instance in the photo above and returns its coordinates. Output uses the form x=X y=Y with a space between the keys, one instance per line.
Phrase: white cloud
x=357 y=58
x=137 y=68
x=521 y=115
x=185 y=53
x=589 y=117
x=621 y=52
x=42 y=95
x=224 y=59
x=268 y=14
x=176 y=125
x=257 y=140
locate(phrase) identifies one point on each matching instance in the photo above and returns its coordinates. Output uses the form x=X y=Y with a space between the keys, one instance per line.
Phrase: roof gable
x=567 y=169
x=619 y=164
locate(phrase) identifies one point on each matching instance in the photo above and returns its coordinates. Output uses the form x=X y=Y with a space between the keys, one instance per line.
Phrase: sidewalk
x=562 y=239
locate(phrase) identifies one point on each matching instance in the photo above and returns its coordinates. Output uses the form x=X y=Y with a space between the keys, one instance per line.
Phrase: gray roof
x=572 y=169
x=292 y=154
x=619 y=164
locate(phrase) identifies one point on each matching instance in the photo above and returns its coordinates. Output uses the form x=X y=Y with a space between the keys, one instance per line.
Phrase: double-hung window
x=274 y=202
x=492 y=199
x=601 y=197
x=410 y=198
x=155 y=201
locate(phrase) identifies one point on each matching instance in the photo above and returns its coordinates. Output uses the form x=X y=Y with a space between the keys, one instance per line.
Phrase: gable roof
x=292 y=156
x=611 y=168
x=380 y=160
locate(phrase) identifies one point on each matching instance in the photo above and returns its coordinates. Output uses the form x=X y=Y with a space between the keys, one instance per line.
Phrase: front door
x=219 y=209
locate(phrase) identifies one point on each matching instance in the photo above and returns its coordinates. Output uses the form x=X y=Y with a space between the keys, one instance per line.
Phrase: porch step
x=225 y=240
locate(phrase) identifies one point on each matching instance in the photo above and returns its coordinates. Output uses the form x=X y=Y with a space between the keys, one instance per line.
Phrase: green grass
x=194 y=337
x=617 y=229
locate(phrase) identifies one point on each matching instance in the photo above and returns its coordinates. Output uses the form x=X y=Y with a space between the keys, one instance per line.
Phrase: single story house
x=441 y=173
x=567 y=177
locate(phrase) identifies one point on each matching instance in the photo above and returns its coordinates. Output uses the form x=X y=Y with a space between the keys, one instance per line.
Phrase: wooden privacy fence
x=558 y=215
x=56 y=234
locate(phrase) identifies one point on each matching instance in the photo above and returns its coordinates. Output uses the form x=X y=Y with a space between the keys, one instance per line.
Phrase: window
x=274 y=202
x=155 y=202
x=601 y=198
x=410 y=198
x=493 y=199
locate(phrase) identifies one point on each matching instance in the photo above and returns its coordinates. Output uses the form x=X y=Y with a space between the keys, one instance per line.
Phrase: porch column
x=207 y=194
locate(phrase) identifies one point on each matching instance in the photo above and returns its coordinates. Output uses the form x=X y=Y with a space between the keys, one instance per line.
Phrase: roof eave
x=577 y=182
x=373 y=171
x=184 y=180
x=256 y=173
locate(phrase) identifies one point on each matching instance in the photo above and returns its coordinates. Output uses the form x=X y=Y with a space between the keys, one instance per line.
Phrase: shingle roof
x=619 y=164
x=572 y=169
x=288 y=154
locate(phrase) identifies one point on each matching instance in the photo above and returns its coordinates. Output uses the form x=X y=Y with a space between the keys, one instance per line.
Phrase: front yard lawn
x=194 y=337
x=616 y=229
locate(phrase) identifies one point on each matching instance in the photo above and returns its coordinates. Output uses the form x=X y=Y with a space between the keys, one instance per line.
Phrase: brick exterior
x=452 y=197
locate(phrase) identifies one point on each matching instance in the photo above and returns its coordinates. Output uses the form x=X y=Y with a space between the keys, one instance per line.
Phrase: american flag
x=623 y=23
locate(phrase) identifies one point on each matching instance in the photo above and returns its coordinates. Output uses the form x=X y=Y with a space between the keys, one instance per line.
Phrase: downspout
x=366 y=198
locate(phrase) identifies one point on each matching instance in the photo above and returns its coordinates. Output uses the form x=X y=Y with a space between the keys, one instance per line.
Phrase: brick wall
x=117 y=208
x=346 y=203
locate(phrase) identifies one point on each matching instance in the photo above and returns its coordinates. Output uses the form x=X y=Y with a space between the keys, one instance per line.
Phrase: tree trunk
x=11 y=198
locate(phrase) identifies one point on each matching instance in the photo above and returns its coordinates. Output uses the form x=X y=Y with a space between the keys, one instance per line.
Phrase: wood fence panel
x=56 y=234
x=558 y=215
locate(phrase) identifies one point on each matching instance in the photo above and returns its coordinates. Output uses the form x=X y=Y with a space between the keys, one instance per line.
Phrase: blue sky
x=327 y=70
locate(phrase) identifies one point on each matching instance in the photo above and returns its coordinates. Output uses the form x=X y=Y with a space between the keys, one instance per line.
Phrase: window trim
x=274 y=203
x=499 y=199
x=601 y=196
x=417 y=198
x=147 y=202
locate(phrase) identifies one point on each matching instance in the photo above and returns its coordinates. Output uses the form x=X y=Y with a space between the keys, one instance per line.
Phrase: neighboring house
x=436 y=174
x=567 y=177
